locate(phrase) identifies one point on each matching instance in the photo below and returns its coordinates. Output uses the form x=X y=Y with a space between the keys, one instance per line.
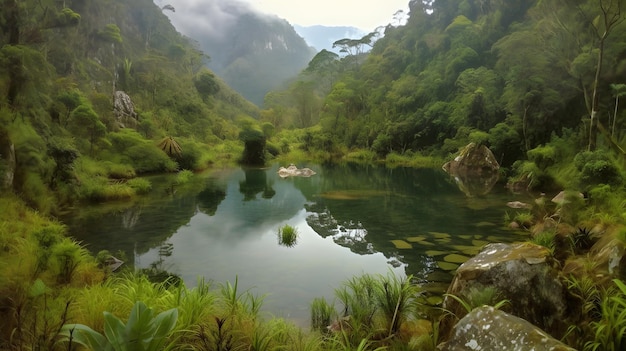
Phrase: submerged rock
x=486 y=328
x=293 y=171
x=524 y=274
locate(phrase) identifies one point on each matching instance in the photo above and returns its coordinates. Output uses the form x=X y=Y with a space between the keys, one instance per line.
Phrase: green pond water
x=351 y=219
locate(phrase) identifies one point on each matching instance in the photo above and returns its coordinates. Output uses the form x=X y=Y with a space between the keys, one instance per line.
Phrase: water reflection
x=350 y=220
x=256 y=182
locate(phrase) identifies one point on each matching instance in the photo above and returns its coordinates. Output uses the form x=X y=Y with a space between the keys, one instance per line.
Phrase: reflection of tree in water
x=157 y=272
x=256 y=182
x=347 y=233
x=130 y=217
x=210 y=198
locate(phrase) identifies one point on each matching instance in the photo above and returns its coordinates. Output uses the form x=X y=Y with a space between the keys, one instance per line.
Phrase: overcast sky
x=363 y=14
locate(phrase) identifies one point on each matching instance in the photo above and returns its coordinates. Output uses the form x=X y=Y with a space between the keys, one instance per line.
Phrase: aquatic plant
x=142 y=331
x=287 y=235
x=322 y=314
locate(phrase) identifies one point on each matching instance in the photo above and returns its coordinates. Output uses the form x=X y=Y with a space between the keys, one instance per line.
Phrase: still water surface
x=351 y=220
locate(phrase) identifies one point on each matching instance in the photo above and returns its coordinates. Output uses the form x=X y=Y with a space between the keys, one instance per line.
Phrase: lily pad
x=479 y=243
x=401 y=244
x=426 y=243
x=455 y=258
x=467 y=250
x=443 y=240
x=436 y=253
x=466 y=237
x=415 y=239
x=447 y=266
x=439 y=235
x=485 y=224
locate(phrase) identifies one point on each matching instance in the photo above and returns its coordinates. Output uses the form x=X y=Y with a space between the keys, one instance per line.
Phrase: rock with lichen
x=486 y=328
x=124 y=109
x=525 y=275
x=293 y=171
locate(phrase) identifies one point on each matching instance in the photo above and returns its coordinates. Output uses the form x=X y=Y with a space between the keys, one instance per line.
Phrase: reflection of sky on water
x=241 y=240
x=351 y=220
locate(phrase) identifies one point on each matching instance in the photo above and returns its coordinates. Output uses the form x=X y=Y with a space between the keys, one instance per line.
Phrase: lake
x=351 y=219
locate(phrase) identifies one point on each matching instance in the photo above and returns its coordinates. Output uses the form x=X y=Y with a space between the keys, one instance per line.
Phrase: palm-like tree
x=170 y=146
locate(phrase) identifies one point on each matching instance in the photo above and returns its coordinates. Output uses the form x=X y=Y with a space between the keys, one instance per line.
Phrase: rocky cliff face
x=252 y=52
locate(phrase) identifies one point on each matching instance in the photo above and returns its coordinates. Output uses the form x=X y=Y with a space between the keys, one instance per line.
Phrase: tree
x=86 y=123
x=618 y=90
x=254 y=145
x=206 y=84
x=603 y=24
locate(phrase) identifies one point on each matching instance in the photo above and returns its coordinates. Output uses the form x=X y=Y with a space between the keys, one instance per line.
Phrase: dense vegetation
x=539 y=82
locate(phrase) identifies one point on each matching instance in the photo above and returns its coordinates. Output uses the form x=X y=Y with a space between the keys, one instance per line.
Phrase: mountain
x=322 y=37
x=253 y=52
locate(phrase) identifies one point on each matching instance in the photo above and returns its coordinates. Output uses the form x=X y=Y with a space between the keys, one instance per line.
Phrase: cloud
x=209 y=17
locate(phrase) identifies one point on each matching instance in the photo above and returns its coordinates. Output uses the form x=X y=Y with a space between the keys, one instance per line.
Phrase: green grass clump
x=287 y=235
x=524 y=219
x=545 y=239
x=183 y=177
x=608 y=332
x=140 y=185
x=99 y=189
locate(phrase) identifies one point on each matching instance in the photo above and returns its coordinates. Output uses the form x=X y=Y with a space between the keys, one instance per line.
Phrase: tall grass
x=610 y=330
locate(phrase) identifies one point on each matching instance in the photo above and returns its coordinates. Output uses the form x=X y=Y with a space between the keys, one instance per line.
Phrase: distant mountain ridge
x=322 y=37
x=252 y=52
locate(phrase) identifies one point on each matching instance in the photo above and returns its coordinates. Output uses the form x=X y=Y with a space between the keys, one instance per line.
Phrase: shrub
x=119 y=171
x=543 y=156
x=140 y=185
x=148 y=158
x=125 y=139
x=189 y=156
x=597 y=168
x=184 y=177
x=143 y=329
x=272 y=149
x=65 y=258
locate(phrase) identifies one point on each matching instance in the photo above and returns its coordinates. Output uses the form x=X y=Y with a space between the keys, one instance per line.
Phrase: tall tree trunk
x=593 y=118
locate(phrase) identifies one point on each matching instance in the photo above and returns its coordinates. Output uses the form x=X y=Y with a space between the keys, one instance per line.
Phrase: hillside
x=510 y=74
x=253 y=52
x=63 y=63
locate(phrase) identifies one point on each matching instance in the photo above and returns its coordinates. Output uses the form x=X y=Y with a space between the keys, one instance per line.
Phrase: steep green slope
x=507 y=73
x=63 y=65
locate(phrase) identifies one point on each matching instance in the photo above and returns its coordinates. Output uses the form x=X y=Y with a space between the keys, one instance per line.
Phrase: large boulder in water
x=475 y=169
x=473 y=160
x=524 y=274
x=486 y=328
